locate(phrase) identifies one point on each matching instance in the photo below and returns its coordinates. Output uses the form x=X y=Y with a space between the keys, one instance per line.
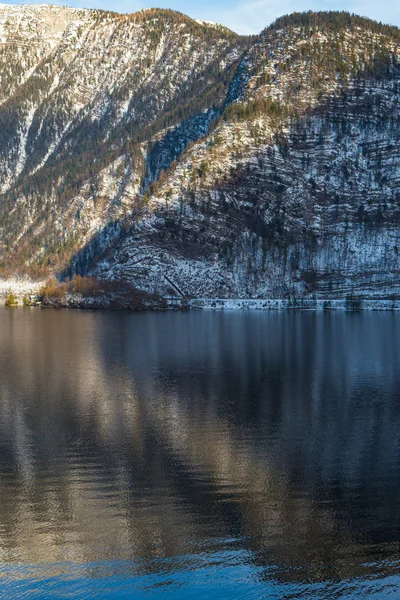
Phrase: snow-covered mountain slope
x=90 y=104
x=179 y=156
x=296 y=190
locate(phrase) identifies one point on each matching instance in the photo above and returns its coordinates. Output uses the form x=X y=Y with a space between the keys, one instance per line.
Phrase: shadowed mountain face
x=152 y=148
x=257 y=451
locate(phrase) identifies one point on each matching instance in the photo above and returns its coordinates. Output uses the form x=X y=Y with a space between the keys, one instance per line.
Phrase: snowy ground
x=19 y=287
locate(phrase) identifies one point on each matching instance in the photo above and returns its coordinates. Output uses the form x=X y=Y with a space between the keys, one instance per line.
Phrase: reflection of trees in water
x=145 y=436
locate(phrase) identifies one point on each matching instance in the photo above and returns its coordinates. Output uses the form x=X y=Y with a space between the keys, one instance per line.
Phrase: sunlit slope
x=89 y=90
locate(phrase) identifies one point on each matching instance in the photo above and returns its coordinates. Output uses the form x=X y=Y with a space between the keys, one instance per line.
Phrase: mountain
x=182 y=158
x=94 y=105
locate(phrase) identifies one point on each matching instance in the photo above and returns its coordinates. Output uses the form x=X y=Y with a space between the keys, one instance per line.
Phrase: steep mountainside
x=92 y=102
x=183 y=158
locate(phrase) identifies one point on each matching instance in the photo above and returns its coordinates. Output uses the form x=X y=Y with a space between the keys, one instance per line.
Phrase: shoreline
x=123 y=300
x=78 y=302
x=353 y=304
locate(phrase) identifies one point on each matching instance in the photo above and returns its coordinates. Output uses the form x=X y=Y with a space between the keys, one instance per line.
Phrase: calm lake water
x=199 y=455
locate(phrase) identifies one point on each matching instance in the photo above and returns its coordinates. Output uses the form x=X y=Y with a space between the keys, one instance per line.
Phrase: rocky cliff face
x=185 y=159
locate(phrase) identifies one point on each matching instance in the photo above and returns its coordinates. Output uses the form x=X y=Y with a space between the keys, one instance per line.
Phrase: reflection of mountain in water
x=151 y=436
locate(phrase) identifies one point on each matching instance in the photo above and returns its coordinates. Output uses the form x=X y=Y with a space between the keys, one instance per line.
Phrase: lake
x=199 y=455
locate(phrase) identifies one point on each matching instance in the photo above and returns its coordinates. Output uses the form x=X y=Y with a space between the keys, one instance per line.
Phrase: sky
x=244 y=16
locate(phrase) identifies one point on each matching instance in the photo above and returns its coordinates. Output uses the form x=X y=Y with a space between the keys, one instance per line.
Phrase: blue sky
x=247 y=16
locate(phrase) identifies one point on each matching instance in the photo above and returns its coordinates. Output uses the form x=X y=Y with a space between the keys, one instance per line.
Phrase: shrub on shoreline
x=118 y=293
x=11 y=300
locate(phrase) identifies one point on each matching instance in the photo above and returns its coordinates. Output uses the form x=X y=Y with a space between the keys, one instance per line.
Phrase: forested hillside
x=176 y=155
x=90 y=98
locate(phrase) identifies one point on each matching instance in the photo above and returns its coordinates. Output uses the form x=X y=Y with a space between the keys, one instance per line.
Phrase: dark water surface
x=199 y=455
